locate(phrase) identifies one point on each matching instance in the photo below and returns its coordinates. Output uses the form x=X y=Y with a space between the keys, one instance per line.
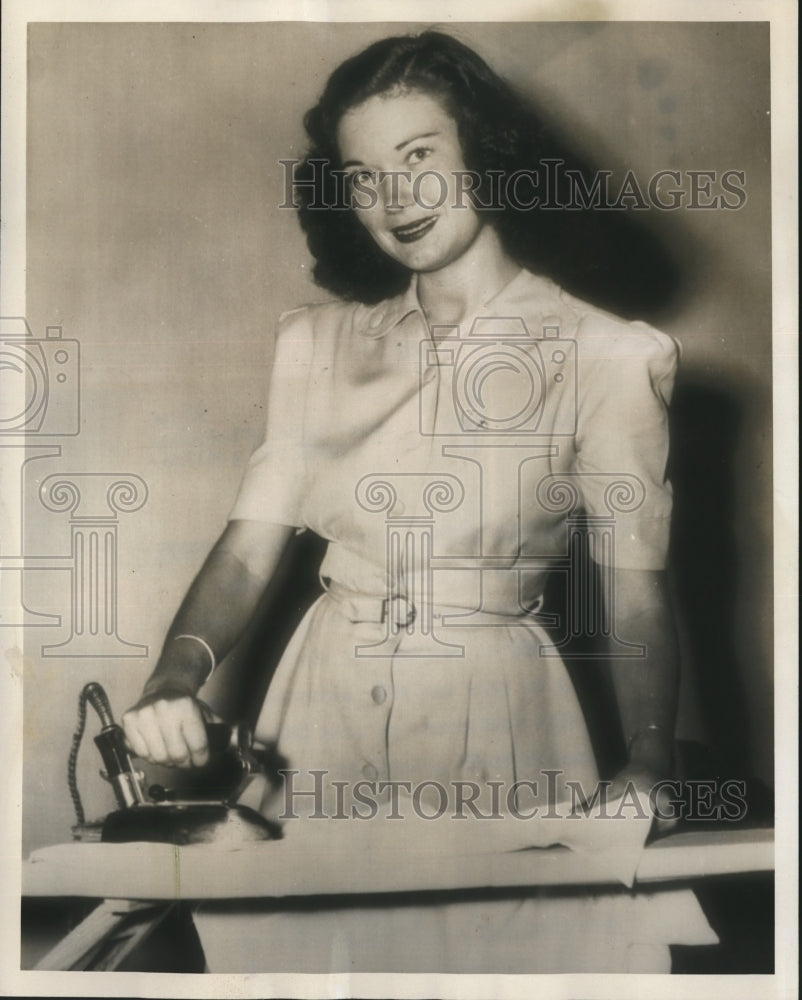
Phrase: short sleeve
x=625 y=379
x=273 y=486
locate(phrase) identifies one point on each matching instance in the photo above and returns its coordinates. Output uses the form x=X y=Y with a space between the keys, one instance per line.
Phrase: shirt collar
x=377 y=321
x=522 y=293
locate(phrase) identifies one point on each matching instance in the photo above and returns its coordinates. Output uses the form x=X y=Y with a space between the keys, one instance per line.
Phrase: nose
x=395 y=190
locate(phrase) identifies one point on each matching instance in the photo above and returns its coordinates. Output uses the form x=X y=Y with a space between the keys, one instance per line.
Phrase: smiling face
x=402 y=154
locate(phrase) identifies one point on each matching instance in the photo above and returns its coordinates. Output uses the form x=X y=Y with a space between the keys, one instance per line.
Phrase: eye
x=364 y=176
x=418 y=154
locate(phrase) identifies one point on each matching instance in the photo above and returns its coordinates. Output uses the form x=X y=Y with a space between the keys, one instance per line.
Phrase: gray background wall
x=155 y=239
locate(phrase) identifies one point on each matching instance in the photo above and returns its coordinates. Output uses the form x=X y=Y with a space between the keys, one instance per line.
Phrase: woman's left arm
x=625 y=380
x=646 y=688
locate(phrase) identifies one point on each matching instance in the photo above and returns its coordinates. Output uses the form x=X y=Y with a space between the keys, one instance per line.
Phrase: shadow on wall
x=607 y=257
x=706 y=422
x=705 y=427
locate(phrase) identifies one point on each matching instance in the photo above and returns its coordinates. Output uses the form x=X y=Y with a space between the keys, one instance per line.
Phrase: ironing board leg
x=106 y=937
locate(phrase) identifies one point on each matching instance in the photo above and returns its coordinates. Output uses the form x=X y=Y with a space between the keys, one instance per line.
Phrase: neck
x=456 y=291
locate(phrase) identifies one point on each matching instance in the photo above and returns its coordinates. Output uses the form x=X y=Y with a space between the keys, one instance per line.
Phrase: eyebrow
x=399 y=147
x=414 y=138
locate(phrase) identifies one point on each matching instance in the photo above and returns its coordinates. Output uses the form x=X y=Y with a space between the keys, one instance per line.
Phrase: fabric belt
x=397 y=609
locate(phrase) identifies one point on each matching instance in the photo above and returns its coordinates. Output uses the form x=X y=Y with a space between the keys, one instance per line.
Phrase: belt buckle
x=410 y=611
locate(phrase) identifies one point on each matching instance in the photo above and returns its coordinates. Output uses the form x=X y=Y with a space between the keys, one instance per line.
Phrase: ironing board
x=138 y=884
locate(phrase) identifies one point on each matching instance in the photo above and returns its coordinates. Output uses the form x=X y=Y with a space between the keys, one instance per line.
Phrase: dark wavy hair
x=610 y=258
x=497 y=132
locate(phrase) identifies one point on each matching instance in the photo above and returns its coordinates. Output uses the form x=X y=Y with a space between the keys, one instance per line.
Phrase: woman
x=398 y=430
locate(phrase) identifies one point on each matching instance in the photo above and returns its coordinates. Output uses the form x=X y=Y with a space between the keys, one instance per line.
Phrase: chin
x=427 y=260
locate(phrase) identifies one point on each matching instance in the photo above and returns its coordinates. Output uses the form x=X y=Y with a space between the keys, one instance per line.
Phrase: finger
x=194 y=735
x=208 y=713
x=151 y=733
x=133 y=737
x=665 y=811
x=616 y=789
x=169 y=716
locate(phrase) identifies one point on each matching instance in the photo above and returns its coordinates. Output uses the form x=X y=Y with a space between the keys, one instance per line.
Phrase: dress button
x=370 y=772
x=379 y=694
x=376 y=320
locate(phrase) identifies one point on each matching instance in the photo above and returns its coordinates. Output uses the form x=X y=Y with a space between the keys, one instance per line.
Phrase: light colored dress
x=448 y=469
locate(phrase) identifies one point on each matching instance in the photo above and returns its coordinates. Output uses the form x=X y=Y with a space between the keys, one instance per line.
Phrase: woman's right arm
x=166 y=725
